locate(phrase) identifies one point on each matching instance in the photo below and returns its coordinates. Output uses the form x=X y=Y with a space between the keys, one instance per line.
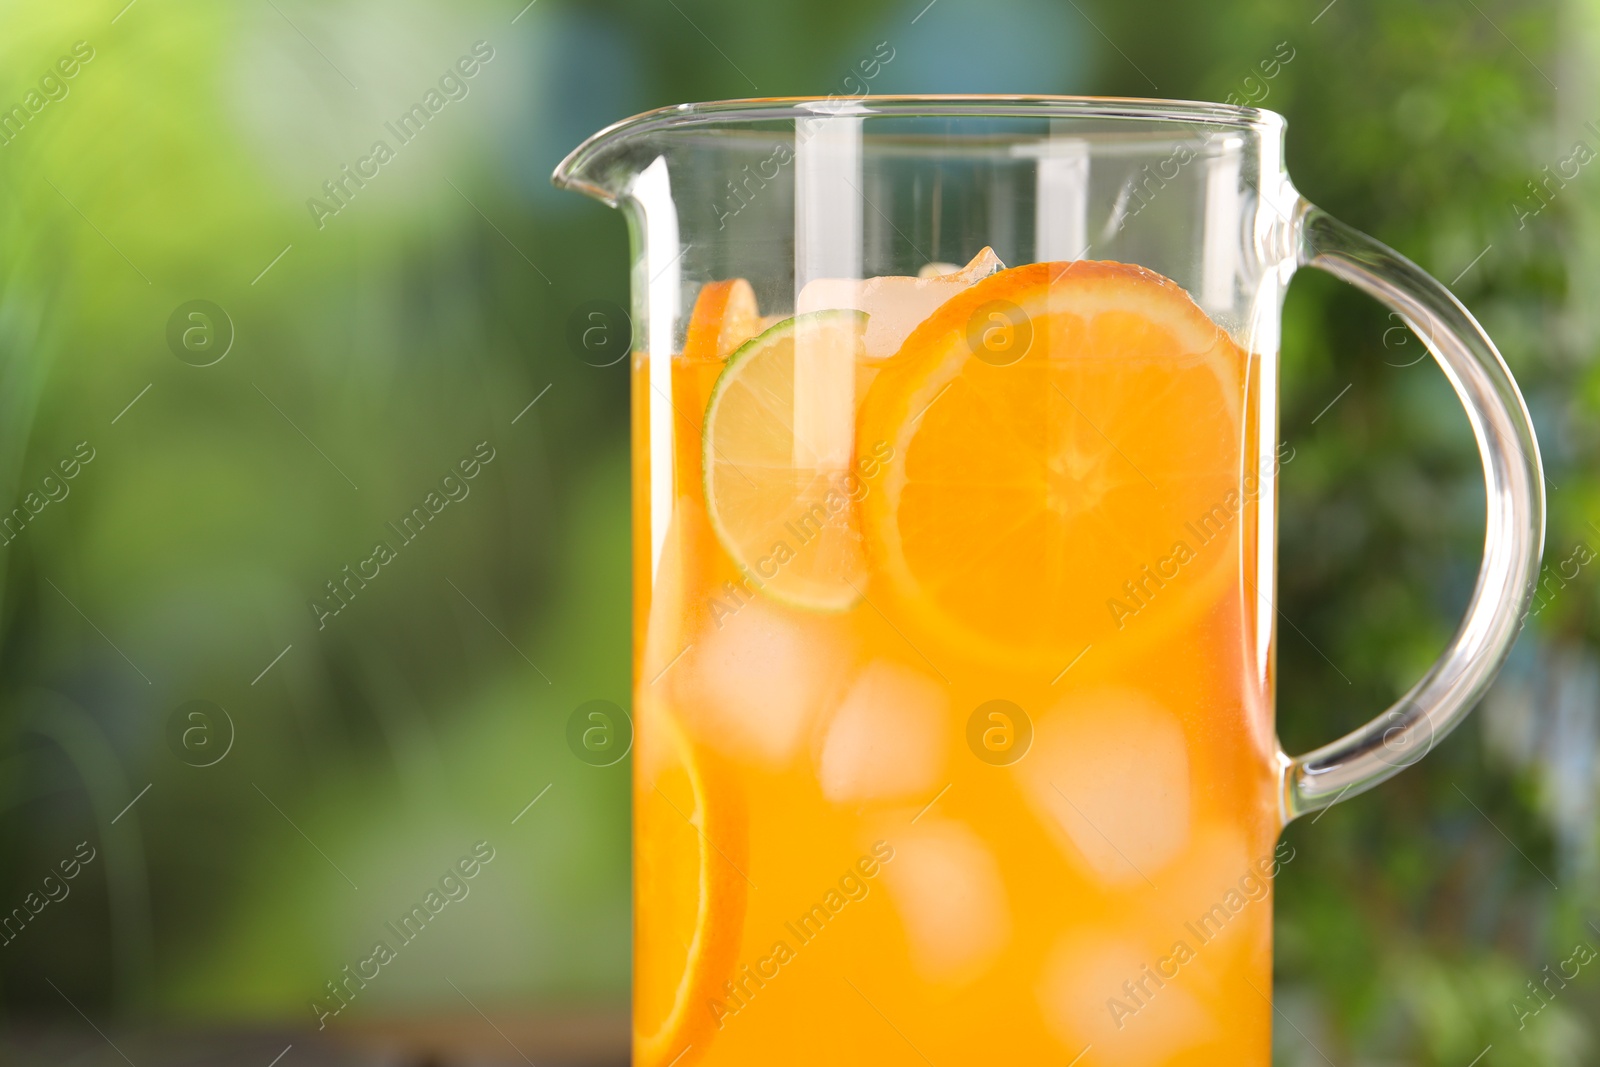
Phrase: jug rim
x=780 y=108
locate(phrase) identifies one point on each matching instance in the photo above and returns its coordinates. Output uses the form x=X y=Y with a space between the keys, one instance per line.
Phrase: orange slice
x=689 y=857
x=1061 y=428
x=725 y=316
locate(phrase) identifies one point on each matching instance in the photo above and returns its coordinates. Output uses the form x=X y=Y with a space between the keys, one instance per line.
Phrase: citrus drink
x=953 y=678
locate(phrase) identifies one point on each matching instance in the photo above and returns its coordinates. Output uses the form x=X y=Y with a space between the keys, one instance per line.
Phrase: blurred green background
x=372 y=353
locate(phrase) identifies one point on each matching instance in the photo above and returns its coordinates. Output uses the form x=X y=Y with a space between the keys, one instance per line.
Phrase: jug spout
x=606 y=164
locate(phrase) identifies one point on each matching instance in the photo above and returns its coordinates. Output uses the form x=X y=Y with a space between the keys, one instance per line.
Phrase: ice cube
x=895 y=304
x=888 y=738
x=978 y=268
x=1221 y=892
x=1109 y=773
x=754 y=680
x=823 y=416
x=947 y=887
x=1111 y=994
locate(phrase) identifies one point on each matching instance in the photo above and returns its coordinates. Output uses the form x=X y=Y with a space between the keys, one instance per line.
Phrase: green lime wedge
x=778 y=448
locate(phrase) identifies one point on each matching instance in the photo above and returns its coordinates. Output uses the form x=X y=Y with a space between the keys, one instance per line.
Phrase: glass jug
x=955 y=460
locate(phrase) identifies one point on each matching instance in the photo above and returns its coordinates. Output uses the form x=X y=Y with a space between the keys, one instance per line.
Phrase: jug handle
x=1513 y=536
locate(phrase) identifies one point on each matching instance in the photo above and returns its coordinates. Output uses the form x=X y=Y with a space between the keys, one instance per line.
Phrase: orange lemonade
x=953 y=678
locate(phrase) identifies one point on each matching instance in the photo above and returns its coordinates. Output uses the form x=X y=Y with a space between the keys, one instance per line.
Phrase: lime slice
x=777 y=449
